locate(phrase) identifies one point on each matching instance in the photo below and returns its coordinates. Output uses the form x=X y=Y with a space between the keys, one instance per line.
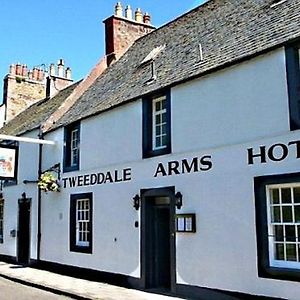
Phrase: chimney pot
x=61 y=62
x=146 y=18
x=35 y=74
x=68 y=73
x=30 y=74
x=52 y=70
x=24 y=70
x=128 y=12
x=12 y=69
x=118 y=10
x=18 y=69
x=40 y=75
x=138 y=15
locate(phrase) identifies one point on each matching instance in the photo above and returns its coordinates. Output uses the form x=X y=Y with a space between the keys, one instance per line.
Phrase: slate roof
x=36 y=114
x=228 y=30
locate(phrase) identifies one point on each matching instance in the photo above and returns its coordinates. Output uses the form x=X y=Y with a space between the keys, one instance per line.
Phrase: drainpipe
x=39 y=200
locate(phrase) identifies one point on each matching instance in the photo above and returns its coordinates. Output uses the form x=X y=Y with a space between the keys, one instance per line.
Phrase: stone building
x=23 y=87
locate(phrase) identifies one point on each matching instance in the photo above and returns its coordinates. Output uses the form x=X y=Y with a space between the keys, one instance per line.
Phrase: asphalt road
x=10 y=290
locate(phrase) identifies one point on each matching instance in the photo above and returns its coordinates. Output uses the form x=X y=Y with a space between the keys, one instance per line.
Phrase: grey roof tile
x=228 y=30
x=36 y=114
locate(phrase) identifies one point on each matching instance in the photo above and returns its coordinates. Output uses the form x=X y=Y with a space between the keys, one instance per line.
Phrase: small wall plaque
x=186 y=223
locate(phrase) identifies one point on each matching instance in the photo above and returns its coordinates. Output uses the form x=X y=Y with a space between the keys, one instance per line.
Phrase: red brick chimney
x=122 y=31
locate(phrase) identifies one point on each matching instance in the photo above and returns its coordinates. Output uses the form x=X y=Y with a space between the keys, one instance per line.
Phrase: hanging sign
x=8 y=162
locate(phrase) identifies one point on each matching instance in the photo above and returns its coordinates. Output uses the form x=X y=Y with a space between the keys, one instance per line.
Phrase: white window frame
x=154 y=124
x=82 y=235
x=274 y=262
x=74 y=139
x=1 y=220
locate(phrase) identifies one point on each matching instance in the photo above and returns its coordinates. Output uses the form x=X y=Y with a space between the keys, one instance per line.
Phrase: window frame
x=266 y=267
x=148 y=125
x=1 y=221
x=292 y=57
x=75 y=245
x=68 y=165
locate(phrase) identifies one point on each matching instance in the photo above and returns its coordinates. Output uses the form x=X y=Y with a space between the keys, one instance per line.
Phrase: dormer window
x=71 y=147
x=156 y=125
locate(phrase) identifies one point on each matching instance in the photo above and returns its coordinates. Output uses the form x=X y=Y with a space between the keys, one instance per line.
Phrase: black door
x=23 y=231
x=157 y=239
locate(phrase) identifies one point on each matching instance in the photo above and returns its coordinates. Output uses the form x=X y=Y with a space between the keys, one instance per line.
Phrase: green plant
x=18 y=79
x=48 y=182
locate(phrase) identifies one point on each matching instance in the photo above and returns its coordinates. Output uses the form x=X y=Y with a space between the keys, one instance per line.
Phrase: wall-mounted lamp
x=136 y=201
x=178 y=200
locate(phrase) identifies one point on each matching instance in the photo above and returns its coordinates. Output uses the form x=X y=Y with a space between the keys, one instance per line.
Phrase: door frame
x=159 y=192
x=20 y=202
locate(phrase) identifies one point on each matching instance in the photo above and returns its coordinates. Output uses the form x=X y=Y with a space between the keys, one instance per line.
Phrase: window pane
x=275 y=196
x=164 y=140
x=157 y=119
x=158 y=142
x=158 y=106
x=287 y=214
x=164 y=104
x=286 y=195
x=276 y=214
x=279 y=249
x=164 y=117
x=290 y=233
x=164 y=129
x=158 y=130
x=297 y=214
x=291 y=254
x=278 y=233
x=297 y=195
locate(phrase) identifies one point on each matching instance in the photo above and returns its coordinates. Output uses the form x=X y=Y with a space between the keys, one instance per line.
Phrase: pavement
x=73 y=287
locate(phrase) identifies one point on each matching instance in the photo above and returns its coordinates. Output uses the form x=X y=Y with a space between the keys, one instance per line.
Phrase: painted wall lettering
x=276 y=152
x=175 y=167
x=97 y=178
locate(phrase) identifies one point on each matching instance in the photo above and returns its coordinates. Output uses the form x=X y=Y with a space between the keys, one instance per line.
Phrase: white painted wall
x=27 y=170
x=220 y=115
x=113 y=137
x=238 y=104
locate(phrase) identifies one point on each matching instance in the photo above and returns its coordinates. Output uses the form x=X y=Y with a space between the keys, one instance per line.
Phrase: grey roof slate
x=36 y=114
x=228 y=30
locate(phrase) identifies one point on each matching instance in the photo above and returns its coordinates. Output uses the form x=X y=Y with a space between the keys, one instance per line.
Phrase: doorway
x=158 y=239
x=24 y=230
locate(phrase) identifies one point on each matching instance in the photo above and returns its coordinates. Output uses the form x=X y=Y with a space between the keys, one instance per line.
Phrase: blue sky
x=34 y=32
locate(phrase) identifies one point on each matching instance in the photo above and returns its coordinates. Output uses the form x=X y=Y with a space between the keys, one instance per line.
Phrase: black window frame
x=148 y=150
x=67 y=147
x=264 y=268
x=293 y=84
x=73 y=203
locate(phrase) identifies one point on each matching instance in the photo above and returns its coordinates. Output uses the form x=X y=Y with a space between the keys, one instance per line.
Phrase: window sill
x=280 y=273
x=67 y=169
x=81 y=249
x=158 y=152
